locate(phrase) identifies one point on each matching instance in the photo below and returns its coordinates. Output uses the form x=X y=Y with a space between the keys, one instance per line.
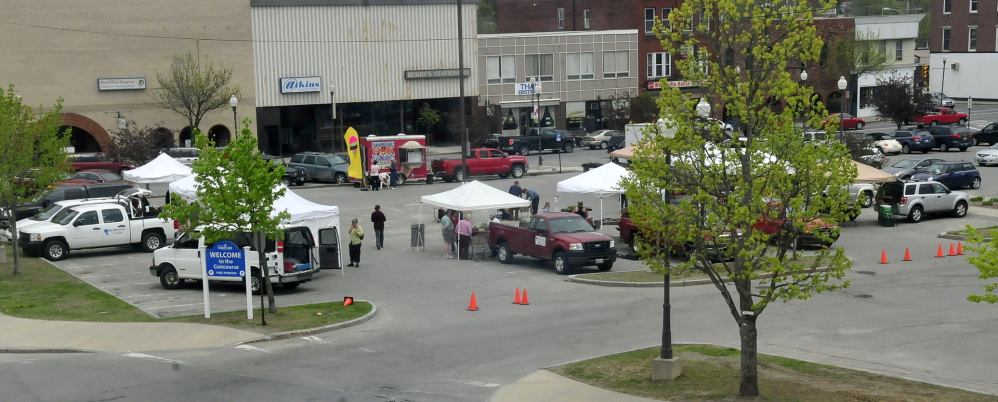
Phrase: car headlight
x=35 y=237
x=612 y=244
x=575 y=246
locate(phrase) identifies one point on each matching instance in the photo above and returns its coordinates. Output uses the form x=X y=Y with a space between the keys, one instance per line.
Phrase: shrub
x=976 y=199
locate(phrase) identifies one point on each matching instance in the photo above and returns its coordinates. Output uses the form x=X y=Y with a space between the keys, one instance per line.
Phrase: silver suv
x=915 y=199
x=322 y=166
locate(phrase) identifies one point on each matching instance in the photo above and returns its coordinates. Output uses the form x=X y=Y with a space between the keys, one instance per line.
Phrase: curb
x=688 y=282
x=948 y=236
x=310 y=331
x=42 y=350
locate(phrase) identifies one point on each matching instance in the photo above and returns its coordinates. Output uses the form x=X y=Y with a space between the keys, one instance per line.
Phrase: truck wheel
x=606 y=266
x=429 y=179
x=524 y=149
x=568 y=147
x=291 y=285
x=561 y=264
x=399 y=179
x=503 y=175
x=517 y=171
x=633 y=242
x=505 y=254
x=460 y=174
x=962 y=122
x=340 y=178
x=287 y=182
x=152 y=241
x=934 y=123
x=55 y=250
x=170 y=279
x=447 y=179
x=256 y=286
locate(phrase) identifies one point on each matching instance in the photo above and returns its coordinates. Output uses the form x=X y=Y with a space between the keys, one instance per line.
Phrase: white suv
x=915 y=199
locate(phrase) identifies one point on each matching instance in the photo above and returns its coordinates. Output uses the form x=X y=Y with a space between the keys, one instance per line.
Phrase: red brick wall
x=959 y=19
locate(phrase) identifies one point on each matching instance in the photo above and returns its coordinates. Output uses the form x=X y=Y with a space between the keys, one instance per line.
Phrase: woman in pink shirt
x=464 y=236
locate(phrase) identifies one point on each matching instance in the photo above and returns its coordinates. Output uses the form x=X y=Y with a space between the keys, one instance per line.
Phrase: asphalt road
x=906 y=319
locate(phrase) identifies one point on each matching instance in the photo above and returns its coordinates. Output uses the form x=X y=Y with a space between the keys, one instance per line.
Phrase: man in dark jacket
x=517 y=191
x=378 y=218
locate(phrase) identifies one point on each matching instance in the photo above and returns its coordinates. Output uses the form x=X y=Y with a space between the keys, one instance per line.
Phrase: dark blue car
x=952 y=174
x=913 y=140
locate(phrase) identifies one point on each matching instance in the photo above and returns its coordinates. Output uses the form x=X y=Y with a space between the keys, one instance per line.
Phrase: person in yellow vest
x=356 y=237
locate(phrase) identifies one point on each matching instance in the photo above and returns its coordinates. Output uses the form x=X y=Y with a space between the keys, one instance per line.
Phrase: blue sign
x=557 y=136
x=301 y=84
x=225 y=260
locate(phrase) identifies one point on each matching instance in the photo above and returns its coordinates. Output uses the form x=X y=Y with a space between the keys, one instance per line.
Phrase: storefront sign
x=121 y=84
x=428 y=74
x=524 y=88
x=672 y=84
x=296 y=85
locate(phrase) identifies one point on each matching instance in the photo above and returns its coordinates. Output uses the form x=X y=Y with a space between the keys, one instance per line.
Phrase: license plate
x=599 y=260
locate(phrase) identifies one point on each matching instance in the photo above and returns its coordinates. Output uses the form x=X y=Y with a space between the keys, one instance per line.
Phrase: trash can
x=418 y=235
x=885 y=216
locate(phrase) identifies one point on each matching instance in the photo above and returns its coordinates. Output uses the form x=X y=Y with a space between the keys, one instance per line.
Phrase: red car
x=849 y=122
x=940 y=115
x=85 y=161
x=774 y=227
x=91 y=176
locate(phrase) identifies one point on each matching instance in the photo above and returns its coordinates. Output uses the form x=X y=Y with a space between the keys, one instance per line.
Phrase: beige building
x=102 y=57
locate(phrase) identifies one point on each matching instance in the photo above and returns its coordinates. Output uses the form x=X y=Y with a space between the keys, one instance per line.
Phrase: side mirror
x=77 y=223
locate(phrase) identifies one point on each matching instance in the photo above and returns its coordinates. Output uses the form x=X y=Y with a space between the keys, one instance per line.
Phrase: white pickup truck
x=291 y=261
x=116 y=222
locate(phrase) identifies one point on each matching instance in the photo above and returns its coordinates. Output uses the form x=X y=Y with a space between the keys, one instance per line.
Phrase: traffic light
x=925 y=75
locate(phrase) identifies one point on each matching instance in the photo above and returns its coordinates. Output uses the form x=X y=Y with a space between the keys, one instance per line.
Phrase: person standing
x=464 y=234
x=374 y=176
x=447 y=229
x=356 y=236
x=535 y=200
x=392 y=172
x=581 y=210
x=517 y=191
x=378 y=219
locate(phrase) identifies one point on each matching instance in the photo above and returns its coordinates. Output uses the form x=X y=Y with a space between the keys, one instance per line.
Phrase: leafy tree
x=487 y=17
x=193 y=90
x=31 y=146
x=854 y=56
x=643 y=109
x=771 y=175
x=986 y=261
x=897 y=98
x=428 y=117
x=140 y=146
x=236 y=193
x=617 y=110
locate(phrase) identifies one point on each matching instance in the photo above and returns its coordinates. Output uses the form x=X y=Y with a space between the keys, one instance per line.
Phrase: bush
x=989 y=202
x=976 y=199
x=140 y=146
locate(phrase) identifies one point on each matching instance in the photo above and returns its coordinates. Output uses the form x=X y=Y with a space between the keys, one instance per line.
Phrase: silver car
x=940 y=99
x=915 y=199
x=598 y=139
x=987 y=156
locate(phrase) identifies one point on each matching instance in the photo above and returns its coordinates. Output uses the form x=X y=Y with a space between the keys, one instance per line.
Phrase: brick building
x=964 y=46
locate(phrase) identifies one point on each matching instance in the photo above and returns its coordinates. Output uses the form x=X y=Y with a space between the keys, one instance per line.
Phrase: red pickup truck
x=563 y=237
x=940 y=115
x=84 y=161
x=481 y=161
x=631 y=233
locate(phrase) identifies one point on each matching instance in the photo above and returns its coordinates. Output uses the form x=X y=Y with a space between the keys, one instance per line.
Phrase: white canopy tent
x=300 y=209
x=602 y=181
x=472 y=196
x=163 y=169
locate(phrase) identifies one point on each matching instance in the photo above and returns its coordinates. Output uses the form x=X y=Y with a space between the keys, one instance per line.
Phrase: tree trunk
x=265 y=272
x=750 y=362
x=13 y=242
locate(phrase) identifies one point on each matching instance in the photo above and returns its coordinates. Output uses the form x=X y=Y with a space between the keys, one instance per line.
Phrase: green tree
x=854 y=56
x=428 y=117
x=32 y=150
x=236 y=193
x=643 y=109
x=193 y=90
x=772 y=175
x=140 y=146
x=984 y=256
x=616 y=110
x=898 y=99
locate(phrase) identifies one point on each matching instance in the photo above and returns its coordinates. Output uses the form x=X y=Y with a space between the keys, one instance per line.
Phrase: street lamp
x=235 y=120
x=942 y=86
x=842 y=104
x=536 y=94
x=803 y=76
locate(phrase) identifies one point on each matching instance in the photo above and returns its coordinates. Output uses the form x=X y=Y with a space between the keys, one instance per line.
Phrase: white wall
x=975 y=77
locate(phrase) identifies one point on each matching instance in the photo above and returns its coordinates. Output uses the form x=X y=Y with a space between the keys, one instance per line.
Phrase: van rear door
x=329 y=248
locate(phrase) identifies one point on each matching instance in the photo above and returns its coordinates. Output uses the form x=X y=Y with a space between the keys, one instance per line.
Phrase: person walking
x=517 y=191
x=535 y=200
x=356 y=236
x=447 y=229
x=374 y=176
x=464 y=234
x=378 y=219
x=392 y=172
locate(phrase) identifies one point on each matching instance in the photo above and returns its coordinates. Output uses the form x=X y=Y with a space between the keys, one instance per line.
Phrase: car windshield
x=65 y=216
x=46 y=213
x=109 y=176
x=570 y=225
x=995 y=146
x=906 y=164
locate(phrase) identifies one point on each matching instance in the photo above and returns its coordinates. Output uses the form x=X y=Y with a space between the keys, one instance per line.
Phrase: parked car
x=848 y=121
x=293 y=176
x=861 y=193
x=185 y=155
x=938 y=116
x=915 y=199
x=940 y=99
x=90 y=176
x=480 y=161
x=816 y=232
x=904 y=169
x=565 y=238
x=550 y=139
x=97 y=160
x=987 y=135
x=715 y=247
x=914 y=140
x=987 y=156
x=951 y=174
x=599 y=139
x=322 y=166
x=885 y=143
x=949 y=137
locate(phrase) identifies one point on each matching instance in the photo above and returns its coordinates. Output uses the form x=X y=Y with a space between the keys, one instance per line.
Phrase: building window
x=615 y=64
x=561 y=18
x=898 y=50
x=947 y=6
x=579 y=66
x=659 y=65
x=585 y=18
x=649 y=20
x=972 y=39
x=946 y=37
x=705 y=19
x=665 y=16
x=500 y=69
x=540 y=66
x=973 y=6
x=883 y=47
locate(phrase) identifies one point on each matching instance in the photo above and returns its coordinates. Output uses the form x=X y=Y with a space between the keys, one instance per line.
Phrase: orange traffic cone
x=907 y=255
x=952 y=250
x=526 y=299
x=939 y=252
x=347 y=301
x=959 y=248
x=516 y=300
x=474 y=303
x=883 y=256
